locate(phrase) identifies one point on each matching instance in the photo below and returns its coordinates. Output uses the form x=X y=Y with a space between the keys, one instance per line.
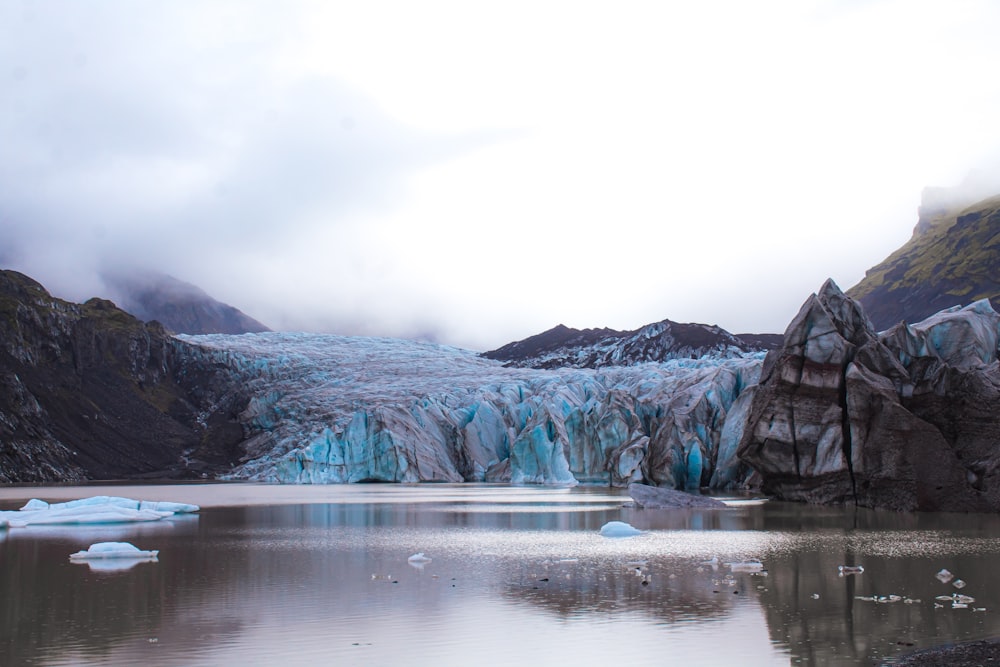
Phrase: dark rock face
x=905 y=421
x=653 y=497
x=564 y=347
x=177 y=305
x=89 y=392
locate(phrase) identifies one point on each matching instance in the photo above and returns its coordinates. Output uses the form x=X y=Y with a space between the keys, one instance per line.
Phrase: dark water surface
x=278 y=575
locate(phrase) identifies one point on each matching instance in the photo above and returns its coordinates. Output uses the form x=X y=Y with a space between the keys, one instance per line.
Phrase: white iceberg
x=94 y=510
x=115 y=501
x=102 y=550
x=619 y=529
x=418 y=558
x=746 y=566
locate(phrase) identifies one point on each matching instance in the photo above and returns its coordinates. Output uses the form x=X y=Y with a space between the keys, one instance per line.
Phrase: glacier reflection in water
x=318 y=575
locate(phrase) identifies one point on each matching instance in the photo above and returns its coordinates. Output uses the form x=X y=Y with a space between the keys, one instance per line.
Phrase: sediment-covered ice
x=331 y=409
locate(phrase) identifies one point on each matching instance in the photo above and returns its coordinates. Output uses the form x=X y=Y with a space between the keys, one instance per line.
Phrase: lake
x=307 y=575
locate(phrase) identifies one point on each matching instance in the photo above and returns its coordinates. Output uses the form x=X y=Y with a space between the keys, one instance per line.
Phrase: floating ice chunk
x=83 y=515
x=944 y=576
x=815 y=596
x=117 y=501
x=619 y=529
x=418 y=559
x=746 y=566
x=845 y=570
x=113 y=550
x=93 y=510
x=958 y=583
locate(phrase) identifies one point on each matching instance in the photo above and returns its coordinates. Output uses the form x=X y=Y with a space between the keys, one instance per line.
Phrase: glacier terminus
x=333 y=409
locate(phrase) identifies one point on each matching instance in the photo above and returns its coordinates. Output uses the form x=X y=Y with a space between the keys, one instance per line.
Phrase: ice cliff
x=331 y=409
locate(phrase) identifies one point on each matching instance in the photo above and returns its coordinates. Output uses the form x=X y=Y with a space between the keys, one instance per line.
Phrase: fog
x=477 y=174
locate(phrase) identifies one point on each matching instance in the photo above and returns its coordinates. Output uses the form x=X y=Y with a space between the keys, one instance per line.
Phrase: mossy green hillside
x=952 y=259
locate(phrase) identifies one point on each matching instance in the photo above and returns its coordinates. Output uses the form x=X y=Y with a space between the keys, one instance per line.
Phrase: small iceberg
x=619 y=529
x=846 y=570
x=418 y=558
x=103 y=550
x=746 y=566
x=944 y=576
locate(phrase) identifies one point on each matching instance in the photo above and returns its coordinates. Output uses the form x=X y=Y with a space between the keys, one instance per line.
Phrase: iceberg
x=619 y=529
x=115 y=501
x=94 y=510
x=102 y=550
x=752 y=566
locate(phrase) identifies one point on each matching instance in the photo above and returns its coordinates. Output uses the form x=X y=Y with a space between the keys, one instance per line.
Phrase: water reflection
x=516 y=576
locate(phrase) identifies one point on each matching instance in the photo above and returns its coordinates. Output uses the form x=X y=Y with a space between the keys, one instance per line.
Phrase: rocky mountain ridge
x=179 y=306
x=565 y=347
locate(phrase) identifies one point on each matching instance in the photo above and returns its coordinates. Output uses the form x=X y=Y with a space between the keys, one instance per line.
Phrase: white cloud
x=480 y=173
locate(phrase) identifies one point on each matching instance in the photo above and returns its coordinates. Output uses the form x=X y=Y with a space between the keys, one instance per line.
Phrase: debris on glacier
x=619 y=529
x=93 y=510
x=652 y=497
x=332 y=409
x=103 y=550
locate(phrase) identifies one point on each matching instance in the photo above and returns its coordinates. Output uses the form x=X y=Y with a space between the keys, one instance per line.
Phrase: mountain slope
x=179 y=306
x=953 y=258
x=89 y=392
x=563 y=346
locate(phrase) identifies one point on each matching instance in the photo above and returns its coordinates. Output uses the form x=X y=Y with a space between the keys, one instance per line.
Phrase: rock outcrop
x=89 y=392
x=907 y=420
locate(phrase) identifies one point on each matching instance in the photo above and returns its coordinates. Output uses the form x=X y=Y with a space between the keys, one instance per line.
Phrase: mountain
x=564 y=347
x=952 y=258
x=179 y=306
x=87 y=391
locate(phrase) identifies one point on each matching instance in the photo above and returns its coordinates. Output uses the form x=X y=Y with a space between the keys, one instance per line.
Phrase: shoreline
x=973 y=654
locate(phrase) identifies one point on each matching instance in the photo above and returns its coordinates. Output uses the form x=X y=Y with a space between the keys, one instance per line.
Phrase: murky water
x=268 y=575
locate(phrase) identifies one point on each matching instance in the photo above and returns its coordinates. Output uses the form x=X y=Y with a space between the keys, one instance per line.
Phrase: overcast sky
x=475 y=173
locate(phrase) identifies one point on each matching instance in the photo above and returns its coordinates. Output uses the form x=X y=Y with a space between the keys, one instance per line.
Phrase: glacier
x=323 y=408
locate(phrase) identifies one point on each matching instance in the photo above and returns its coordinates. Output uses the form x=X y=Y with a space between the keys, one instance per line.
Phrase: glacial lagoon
x=307 y=575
